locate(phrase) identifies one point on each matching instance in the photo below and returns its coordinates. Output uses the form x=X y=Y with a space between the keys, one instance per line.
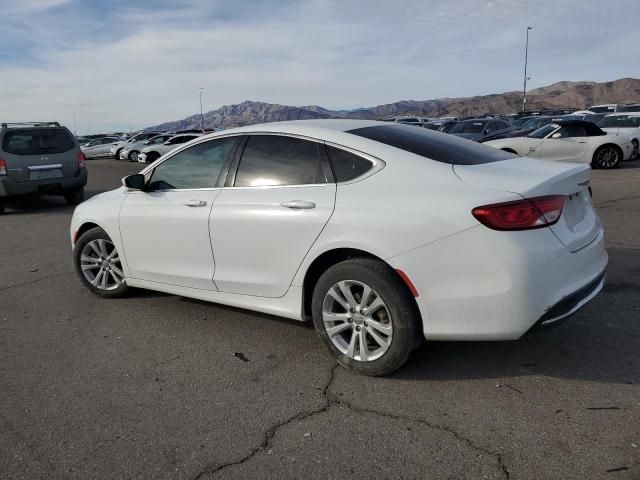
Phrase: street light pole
x=201 y=115
x=524 y=88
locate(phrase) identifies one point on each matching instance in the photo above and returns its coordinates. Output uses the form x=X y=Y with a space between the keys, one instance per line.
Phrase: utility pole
x=75 y=132
x=201 y=114
x=526 y=55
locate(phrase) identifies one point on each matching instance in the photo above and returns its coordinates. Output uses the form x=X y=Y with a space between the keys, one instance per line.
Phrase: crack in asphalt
x=31 y=282
x=331 y=400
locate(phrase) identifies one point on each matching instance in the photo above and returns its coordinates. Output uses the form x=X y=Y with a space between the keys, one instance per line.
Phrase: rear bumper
x=482 y=284
x=10 y=188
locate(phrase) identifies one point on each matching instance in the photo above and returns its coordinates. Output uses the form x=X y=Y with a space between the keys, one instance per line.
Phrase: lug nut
x=366 y=324
x=350 y=320
x=358 y=328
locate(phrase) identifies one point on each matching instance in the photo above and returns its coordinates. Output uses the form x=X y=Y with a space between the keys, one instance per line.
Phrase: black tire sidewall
x=88 y=236
x=595 y=156
x=74 y=197
x=383 y=280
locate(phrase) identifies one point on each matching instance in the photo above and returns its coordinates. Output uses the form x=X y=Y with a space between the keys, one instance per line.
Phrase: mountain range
x=558 y=95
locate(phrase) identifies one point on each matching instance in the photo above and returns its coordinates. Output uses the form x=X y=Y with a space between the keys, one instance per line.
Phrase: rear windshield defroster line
x=437 y=146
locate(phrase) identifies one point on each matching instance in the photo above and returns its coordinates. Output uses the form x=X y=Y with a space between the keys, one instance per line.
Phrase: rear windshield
x=437 y=146
x=37 y=141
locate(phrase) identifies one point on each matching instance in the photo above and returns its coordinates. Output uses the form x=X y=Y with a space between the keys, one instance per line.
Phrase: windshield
x=534 y=123
x=543 y=131
x=37 y=141
x=619 y=121
x=468 y=127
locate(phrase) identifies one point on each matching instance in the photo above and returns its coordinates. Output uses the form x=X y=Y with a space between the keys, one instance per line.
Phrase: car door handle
x=532 y=149
x=195 y=203
x=298 y=204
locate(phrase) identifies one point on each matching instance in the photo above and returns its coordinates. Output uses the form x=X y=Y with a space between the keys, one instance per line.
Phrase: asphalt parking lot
x=159 y=386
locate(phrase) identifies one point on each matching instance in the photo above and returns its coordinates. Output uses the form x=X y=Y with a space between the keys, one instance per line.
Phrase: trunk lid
x=578 y=225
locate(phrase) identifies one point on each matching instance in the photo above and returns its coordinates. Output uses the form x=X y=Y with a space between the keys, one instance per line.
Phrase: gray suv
x=40 y=158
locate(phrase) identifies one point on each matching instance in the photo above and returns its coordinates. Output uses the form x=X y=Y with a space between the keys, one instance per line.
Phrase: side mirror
x=556 y=135
x=136 y=182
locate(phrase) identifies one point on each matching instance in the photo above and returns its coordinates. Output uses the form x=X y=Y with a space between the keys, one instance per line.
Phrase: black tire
x=636 y=149
x=74 y=197
x=602 y=157
x=404 y=316
x=133 y=156
x=116 y=156
x=152 y=157
x=1 y=207
x=89 y=236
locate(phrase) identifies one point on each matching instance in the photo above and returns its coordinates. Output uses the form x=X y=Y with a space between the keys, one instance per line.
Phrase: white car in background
x=153 y=152
x=100 y=147
x=575 y=141
x=625 y=124
x=117 y=147
x=383 y=234
x=131 y=151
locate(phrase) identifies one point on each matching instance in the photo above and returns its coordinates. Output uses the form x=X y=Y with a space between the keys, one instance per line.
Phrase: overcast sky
x=128 y=64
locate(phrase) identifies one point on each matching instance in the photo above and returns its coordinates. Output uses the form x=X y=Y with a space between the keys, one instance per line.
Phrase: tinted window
x=275 y=160
x=434 y=145
x=469 y=127
x=620 y=121
x=346 y=165
x=543 y=131
x=572 y=131
x=182 y=139
x=37 y=141
x=195 y=167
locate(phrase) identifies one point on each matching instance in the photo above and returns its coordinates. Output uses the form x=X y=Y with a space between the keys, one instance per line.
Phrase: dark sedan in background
x=482 y=129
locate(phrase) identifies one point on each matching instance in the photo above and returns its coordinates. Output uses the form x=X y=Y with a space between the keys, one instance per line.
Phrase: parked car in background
x=627 y=124
x=40 y=158
x=481 y=129
x=487 y=250
x=608 y=108
x=131 y=150
x=116 y=147
x=100 y=147
x=574 y=141
x=630 y=107
x=440 y=125
x=151 y=153
x=416 y=121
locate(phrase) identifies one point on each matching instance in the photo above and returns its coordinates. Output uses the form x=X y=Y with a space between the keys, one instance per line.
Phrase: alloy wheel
x=357 y=320
x=607 y=157
x=100 y=264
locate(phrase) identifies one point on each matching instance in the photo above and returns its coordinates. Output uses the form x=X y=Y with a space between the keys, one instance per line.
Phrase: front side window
x=195 y=167
x=543 y=131
x=347 y=165
x=271 y=160
x=572 y=131
x=468 y=127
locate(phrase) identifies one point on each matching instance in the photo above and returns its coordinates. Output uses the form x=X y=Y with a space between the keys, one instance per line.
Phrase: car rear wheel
x=607 y=156
x=365 y=316
x=133 y=156
x=1 y=207
x=636 y=149
x=74 y=197
x=98 y=264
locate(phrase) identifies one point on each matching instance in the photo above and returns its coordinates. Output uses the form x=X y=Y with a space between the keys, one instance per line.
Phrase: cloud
x=134 y=64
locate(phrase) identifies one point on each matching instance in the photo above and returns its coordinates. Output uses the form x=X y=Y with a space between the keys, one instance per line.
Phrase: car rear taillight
x=81 y=160
x=3 y=167
x=525 y=214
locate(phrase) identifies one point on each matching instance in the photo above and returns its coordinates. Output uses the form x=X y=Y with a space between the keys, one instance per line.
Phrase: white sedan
x=383 y=234
x=574 y=141
x=623 y=124
x=152 y=152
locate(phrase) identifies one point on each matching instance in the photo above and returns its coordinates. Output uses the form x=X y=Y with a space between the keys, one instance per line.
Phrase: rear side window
x=572 y=131
x=196 y=167
x=433 y=145
x=37 y=141
x=275 y=160
x=346 y=165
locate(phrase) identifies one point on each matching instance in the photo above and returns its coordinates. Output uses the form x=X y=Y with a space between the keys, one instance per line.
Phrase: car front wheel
x=365 y=316
x=97 y=263
x=133 y=156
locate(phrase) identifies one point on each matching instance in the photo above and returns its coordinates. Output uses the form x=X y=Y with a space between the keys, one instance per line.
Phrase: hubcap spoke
x=375 y=305
x=348 y=295
x=351 y=351
x=364 y=352
x=333 y=293
x=378 y=339
x=334 y=317
x=331 y=331
x=381 y=327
